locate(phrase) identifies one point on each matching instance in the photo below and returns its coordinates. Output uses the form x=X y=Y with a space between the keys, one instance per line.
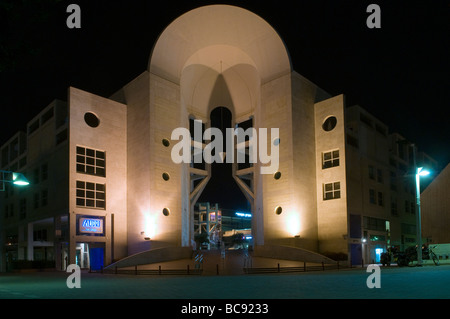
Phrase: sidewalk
x=232 y=263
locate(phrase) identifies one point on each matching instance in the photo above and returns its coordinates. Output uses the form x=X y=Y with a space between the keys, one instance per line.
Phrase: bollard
x=323 y=266
x=278 y=267
x=135 y=269
x=159 y=269
x=188 y=269
x=217 y=269
x=304 y=266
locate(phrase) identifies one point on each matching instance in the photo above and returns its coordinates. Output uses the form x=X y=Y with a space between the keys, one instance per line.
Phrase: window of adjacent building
x=380 y=199
x=36 y=200
x=330 y=159
x=33 y=126
x=371 y=172
x=379 y=175
x=372 y=196
x=44 y=172
x=372 y=223
x=90 y=161
x=40 y=235
x=23 y=208
x=44 y=197
x=332 y=190
x=47 y=116
x=90 y=195
x=61 y=137
x=36 y=176
x=394 y=207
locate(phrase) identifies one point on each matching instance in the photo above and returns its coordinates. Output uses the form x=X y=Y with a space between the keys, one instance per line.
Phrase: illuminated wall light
x=149 y=226
x=293 y=224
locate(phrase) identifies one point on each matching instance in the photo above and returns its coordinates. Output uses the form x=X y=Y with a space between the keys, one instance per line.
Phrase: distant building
x=104 y=184
x=435 y=209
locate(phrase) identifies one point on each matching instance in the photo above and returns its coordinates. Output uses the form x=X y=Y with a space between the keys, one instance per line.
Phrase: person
x=386 y=258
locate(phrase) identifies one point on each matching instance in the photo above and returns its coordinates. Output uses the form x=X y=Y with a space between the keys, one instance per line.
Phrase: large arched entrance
x=220 y=55
x=234 y=208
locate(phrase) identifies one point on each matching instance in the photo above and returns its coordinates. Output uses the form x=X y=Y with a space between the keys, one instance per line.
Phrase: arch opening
x=222 y=189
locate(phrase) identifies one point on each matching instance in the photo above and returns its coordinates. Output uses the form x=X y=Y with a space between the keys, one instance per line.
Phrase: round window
x=276 y=141
x=277 y=175
x=166 y=142
x=278 y=210
x=91 y=119
x=166 y=212
x=329 y=123
x=166 y=176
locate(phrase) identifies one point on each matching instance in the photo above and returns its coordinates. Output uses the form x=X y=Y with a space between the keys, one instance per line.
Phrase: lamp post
x=419 y=171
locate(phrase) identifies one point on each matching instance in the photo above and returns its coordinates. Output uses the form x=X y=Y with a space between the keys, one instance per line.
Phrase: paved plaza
x=396 y=283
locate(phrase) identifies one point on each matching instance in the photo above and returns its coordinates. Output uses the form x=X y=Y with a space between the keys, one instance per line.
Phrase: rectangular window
x=332 y=190
x=90 y=161
x=61 y=137
x=372 y=196
x=91 y=195
x=36 y=176
x=36 y=200
x=380 y=199
x=394 y=207
x=330 y=159
x=44 y=172
x=371 y=172
x=44 y=197
x=379 y=175
x=23 y=208
x=372 y=223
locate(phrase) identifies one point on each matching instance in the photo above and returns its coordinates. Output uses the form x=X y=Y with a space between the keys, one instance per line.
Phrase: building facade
x=435 y=212
x=105 y=185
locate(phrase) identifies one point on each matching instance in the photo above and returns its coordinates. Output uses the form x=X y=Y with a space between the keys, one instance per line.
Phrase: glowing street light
x=422 y=172
x=20 y=179
x=12 y=177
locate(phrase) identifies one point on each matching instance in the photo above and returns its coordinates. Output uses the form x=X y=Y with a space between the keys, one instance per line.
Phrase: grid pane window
x=91 y=195
x=330 y=159
x=90 y=161
x=332 y=191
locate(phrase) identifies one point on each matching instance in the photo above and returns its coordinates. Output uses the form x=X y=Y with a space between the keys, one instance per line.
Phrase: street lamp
x=12 y=177
x=419 y=172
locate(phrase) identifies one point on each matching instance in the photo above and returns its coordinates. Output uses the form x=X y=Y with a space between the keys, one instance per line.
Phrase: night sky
x=399 y=73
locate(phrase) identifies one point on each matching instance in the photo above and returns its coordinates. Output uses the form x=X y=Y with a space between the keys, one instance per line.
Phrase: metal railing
x=160 y=271
x=304 y=268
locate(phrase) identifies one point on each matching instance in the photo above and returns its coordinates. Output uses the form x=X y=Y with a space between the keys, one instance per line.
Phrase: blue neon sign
x=91 y=225
x=246 y=215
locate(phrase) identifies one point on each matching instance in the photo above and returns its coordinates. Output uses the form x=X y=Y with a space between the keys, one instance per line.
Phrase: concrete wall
x=331 y=214
x=110 y=136
x=435 y=212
